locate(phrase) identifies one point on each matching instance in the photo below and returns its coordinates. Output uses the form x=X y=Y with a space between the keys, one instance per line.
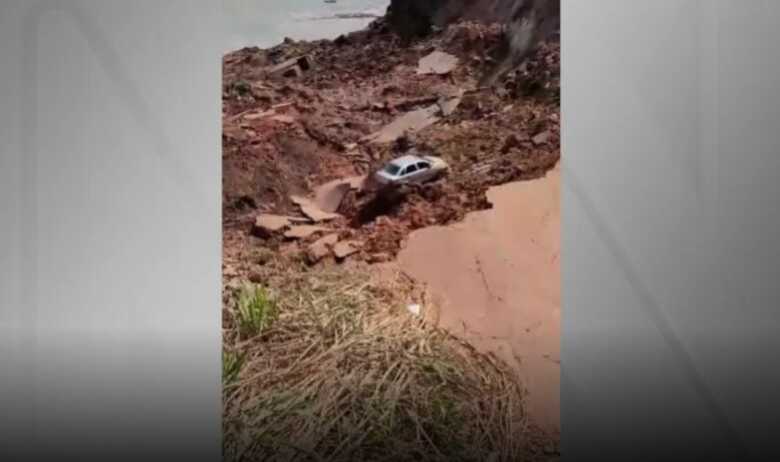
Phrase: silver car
x=411 y=169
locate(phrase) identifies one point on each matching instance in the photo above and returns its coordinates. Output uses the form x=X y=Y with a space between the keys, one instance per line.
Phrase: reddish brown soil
x=359 y=83
x=497 y=280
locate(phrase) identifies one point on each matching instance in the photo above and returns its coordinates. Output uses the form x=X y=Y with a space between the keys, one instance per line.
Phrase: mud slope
x=498 y=276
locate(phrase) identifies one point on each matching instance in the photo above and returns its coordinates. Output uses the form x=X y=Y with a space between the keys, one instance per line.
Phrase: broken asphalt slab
x=304 y=231
x=311 y=210
x=411 y=121
x=268 y=224
x=346 y=248
x=328 y=196
x=437 y=62
x=448 y=103
x=321 y=248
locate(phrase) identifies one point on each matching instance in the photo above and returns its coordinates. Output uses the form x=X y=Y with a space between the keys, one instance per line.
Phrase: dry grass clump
x=343 y=372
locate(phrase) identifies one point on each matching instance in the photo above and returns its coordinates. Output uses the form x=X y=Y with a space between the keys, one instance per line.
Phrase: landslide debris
x=527 y=23
x=300 y=128
x=301 y=115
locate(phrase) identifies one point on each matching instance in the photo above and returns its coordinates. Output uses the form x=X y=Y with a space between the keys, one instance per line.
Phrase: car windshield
x=392 y=169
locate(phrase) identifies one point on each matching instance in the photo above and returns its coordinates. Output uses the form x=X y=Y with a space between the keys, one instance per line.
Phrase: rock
x=448 y=104
x=267 y=225
x=321 y=248
x=292 y=67
x=541 y=138
x=310 y=209
x=316 y=215
x=304 y=231
x=346 y=248
x=437 y=62
x=328 y=197
x=330 y=200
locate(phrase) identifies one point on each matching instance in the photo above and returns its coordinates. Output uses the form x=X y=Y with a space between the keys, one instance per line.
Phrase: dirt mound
x=301 y=114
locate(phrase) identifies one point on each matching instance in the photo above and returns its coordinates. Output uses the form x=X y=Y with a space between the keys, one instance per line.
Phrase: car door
x=410 y=174
x=424 y=171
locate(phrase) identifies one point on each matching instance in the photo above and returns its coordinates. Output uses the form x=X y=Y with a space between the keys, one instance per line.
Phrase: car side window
x=423 y=165
x=411 y=169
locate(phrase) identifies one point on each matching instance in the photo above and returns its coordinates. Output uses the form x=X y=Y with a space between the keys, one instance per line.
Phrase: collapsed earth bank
x=303 y=114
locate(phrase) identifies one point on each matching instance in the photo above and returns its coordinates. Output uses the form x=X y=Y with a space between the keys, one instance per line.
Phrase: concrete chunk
x=541 y=138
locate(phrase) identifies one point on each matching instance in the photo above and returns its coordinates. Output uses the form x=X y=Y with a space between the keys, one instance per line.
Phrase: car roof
x=403 y=161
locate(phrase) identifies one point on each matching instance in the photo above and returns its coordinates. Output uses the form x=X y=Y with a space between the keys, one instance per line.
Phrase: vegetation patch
x=345 y=372
x=256 y=310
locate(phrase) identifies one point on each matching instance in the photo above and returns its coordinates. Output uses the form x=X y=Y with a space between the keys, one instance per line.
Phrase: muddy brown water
x=496 y=276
